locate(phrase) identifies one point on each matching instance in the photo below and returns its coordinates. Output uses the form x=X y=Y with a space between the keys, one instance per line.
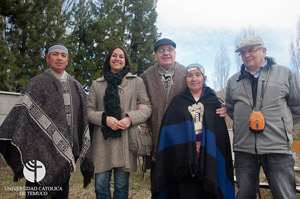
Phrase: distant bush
x=296 y=131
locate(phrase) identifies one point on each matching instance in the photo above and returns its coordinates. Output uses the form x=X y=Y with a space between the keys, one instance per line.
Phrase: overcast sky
x=200 y=27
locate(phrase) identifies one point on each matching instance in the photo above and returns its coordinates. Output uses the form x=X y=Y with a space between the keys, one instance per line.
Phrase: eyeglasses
x=162 y=50
x=250 y=51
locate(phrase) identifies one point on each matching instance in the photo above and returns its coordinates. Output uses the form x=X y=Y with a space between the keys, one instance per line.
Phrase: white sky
x=200 y=27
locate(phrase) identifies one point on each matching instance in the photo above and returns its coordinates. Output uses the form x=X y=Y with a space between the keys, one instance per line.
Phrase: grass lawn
x=139 y=188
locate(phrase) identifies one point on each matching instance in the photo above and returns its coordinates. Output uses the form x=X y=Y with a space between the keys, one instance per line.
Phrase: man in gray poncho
x=47 y=130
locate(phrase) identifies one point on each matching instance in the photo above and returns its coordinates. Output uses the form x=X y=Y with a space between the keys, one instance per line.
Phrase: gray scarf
x=167 y=77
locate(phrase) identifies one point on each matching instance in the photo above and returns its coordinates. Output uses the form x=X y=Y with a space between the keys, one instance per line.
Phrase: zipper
x=286 y=134
x=262 y=92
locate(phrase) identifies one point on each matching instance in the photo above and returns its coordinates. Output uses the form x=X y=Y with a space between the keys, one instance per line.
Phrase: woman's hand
x=125 y=122
x=113 y=123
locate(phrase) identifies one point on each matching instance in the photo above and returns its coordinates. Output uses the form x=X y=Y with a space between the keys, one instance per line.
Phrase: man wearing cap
x=163 y=81
x=47 y=130
x=272 y=93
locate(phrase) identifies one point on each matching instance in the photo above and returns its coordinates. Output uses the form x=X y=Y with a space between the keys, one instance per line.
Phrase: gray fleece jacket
x=281 y=108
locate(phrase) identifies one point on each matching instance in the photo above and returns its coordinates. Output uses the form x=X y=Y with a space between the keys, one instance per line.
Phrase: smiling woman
x=117 y=60
x=109 y=109
x=193 y=156
x=195 y=78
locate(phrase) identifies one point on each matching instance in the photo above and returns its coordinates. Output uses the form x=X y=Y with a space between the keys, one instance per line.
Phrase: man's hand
x=222 y=111
x=142 y=106
x=198 y=145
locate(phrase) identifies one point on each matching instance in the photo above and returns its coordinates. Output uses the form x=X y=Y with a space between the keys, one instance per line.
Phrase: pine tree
x=143 y=34
x=130 y=23
x=30 y=26
x=82 y=60
x=6 y=58
x=89 y=28
x=96 y=28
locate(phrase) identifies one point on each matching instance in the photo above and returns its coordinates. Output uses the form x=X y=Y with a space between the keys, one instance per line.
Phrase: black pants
x=35 y=191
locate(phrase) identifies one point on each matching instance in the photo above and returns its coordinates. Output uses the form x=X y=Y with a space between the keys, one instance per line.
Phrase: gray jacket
x=112 y=153
x=281 y=109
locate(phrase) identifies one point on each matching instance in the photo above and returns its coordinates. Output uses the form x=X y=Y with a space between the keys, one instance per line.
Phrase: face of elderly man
x=165 y=56
x=253 y=57
x=57 y=60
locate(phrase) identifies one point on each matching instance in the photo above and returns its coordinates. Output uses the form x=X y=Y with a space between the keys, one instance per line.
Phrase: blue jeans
x=121 y=184
x=278 y=168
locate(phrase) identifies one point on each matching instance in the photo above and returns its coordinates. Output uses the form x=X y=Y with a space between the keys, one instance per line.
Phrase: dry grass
x=6 y=182
x=139 y=188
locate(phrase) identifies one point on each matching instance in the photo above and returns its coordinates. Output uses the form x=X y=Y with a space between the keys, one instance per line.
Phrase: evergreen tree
x=82 y=60
x=27 y=29
x=96 y=28
x=130 y=23
x=6 y=58
x=110 y=26
x=89 y=28
x=143 y=34
x=99 y=25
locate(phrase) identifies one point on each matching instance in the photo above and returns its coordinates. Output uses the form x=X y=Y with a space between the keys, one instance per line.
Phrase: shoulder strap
x=263 y=91
x=132 y=93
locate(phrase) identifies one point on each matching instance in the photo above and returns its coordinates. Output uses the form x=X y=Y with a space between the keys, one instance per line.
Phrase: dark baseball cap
x=163 y=41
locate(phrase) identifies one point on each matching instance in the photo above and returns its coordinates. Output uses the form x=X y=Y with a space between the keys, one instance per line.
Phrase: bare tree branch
x=222 y=67
x=245 y=32
x=295 y=50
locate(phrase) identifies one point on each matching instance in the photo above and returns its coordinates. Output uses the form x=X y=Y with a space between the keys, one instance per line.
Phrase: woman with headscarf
x=109 y=109
x=193 y=157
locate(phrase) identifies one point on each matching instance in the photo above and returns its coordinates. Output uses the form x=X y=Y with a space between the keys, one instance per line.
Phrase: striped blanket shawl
x=176 y=155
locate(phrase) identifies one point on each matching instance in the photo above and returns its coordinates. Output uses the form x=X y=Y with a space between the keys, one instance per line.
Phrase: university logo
x=34 y=171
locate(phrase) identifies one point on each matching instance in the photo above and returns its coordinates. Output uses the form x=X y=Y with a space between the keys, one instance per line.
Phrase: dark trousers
x=40 y=193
